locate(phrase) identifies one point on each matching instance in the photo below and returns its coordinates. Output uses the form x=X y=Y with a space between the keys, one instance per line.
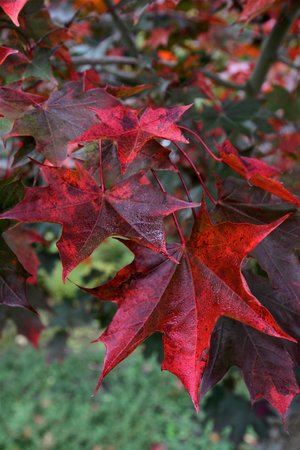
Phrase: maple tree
x=149 y=137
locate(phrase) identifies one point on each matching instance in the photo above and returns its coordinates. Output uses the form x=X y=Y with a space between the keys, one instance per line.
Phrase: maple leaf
x=12 y=8
x=63 y=117
x=12 y=274
x=256 y=172
x=12 y=279
x=5 y=52
x=131 y=133
x=254 y=8
x=19 y=239
x=277 y=253
x=185 y=301
x=132 y=208
x=27 y=324
x=268 y=369
x=152 y=156
x=14 y=102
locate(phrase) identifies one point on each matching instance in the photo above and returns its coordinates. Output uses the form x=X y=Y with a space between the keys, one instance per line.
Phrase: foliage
x=63 y=390
x=98 y=125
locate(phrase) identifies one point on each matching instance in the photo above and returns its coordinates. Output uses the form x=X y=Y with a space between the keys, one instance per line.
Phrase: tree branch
x=288 y=62
x=122 y=27
x=222 y=82
x=106 y=60
x=270 y=47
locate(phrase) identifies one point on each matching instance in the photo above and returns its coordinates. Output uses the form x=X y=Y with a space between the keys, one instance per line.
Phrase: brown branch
x=288 y=62
x=105 y=60
x=222 y=82
x=122 y=27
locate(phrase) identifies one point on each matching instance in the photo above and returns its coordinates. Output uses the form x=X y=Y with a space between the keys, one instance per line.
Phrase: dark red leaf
x=131 y=133
x=277 y=254
x=63 y=117
x=256 y=172
x=20 y=240
x=12 y=279
x=5 y=52
x=267 y=364
x=133 y=208
x=185 y=301
x=14 y=102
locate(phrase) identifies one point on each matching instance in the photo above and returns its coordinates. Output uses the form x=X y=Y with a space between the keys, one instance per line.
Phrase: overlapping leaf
x=254 y=8
x=184 y=302
x=256 y=172
x=267 y=364
x=12 y=279
x=277 y=254
x=12 y=8
x=5 y=52
x=133 y=208
x=63 y=117
x=14 y=102
x=131 y=133
x=12 y=274
x=20 y=240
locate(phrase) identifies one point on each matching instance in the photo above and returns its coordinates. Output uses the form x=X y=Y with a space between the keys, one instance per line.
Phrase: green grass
x=50 y=406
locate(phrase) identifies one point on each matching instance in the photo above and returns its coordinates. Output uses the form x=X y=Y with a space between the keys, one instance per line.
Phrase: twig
x=199 y=139
x=288 y=62
x=105 y=60
x=185 y=188
x=127 y=36
x=199 y=176
x=126 y=77
x=222 y=82
x=173 y=214
x=270 y=46
x=101 y=167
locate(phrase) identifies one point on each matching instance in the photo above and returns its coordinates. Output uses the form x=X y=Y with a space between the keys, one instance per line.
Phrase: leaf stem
x=201 y=142
x=196 y=172
x=186 y=190
x=101 y=167
x=179 y=231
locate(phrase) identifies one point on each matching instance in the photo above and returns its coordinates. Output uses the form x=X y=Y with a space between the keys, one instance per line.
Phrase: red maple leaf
x=256 y=172
x=12 y=279
x=63 y=117
x=14 y=102
x=185 y=301
x=267 y=364
x=277 y=253
x=254 y=8
x=12 y=8
x=20 y=240
x=5 y=52
x=132 y=208
x=130 y=132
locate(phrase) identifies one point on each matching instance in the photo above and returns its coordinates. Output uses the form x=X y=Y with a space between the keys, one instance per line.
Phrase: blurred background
x=46 y=393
